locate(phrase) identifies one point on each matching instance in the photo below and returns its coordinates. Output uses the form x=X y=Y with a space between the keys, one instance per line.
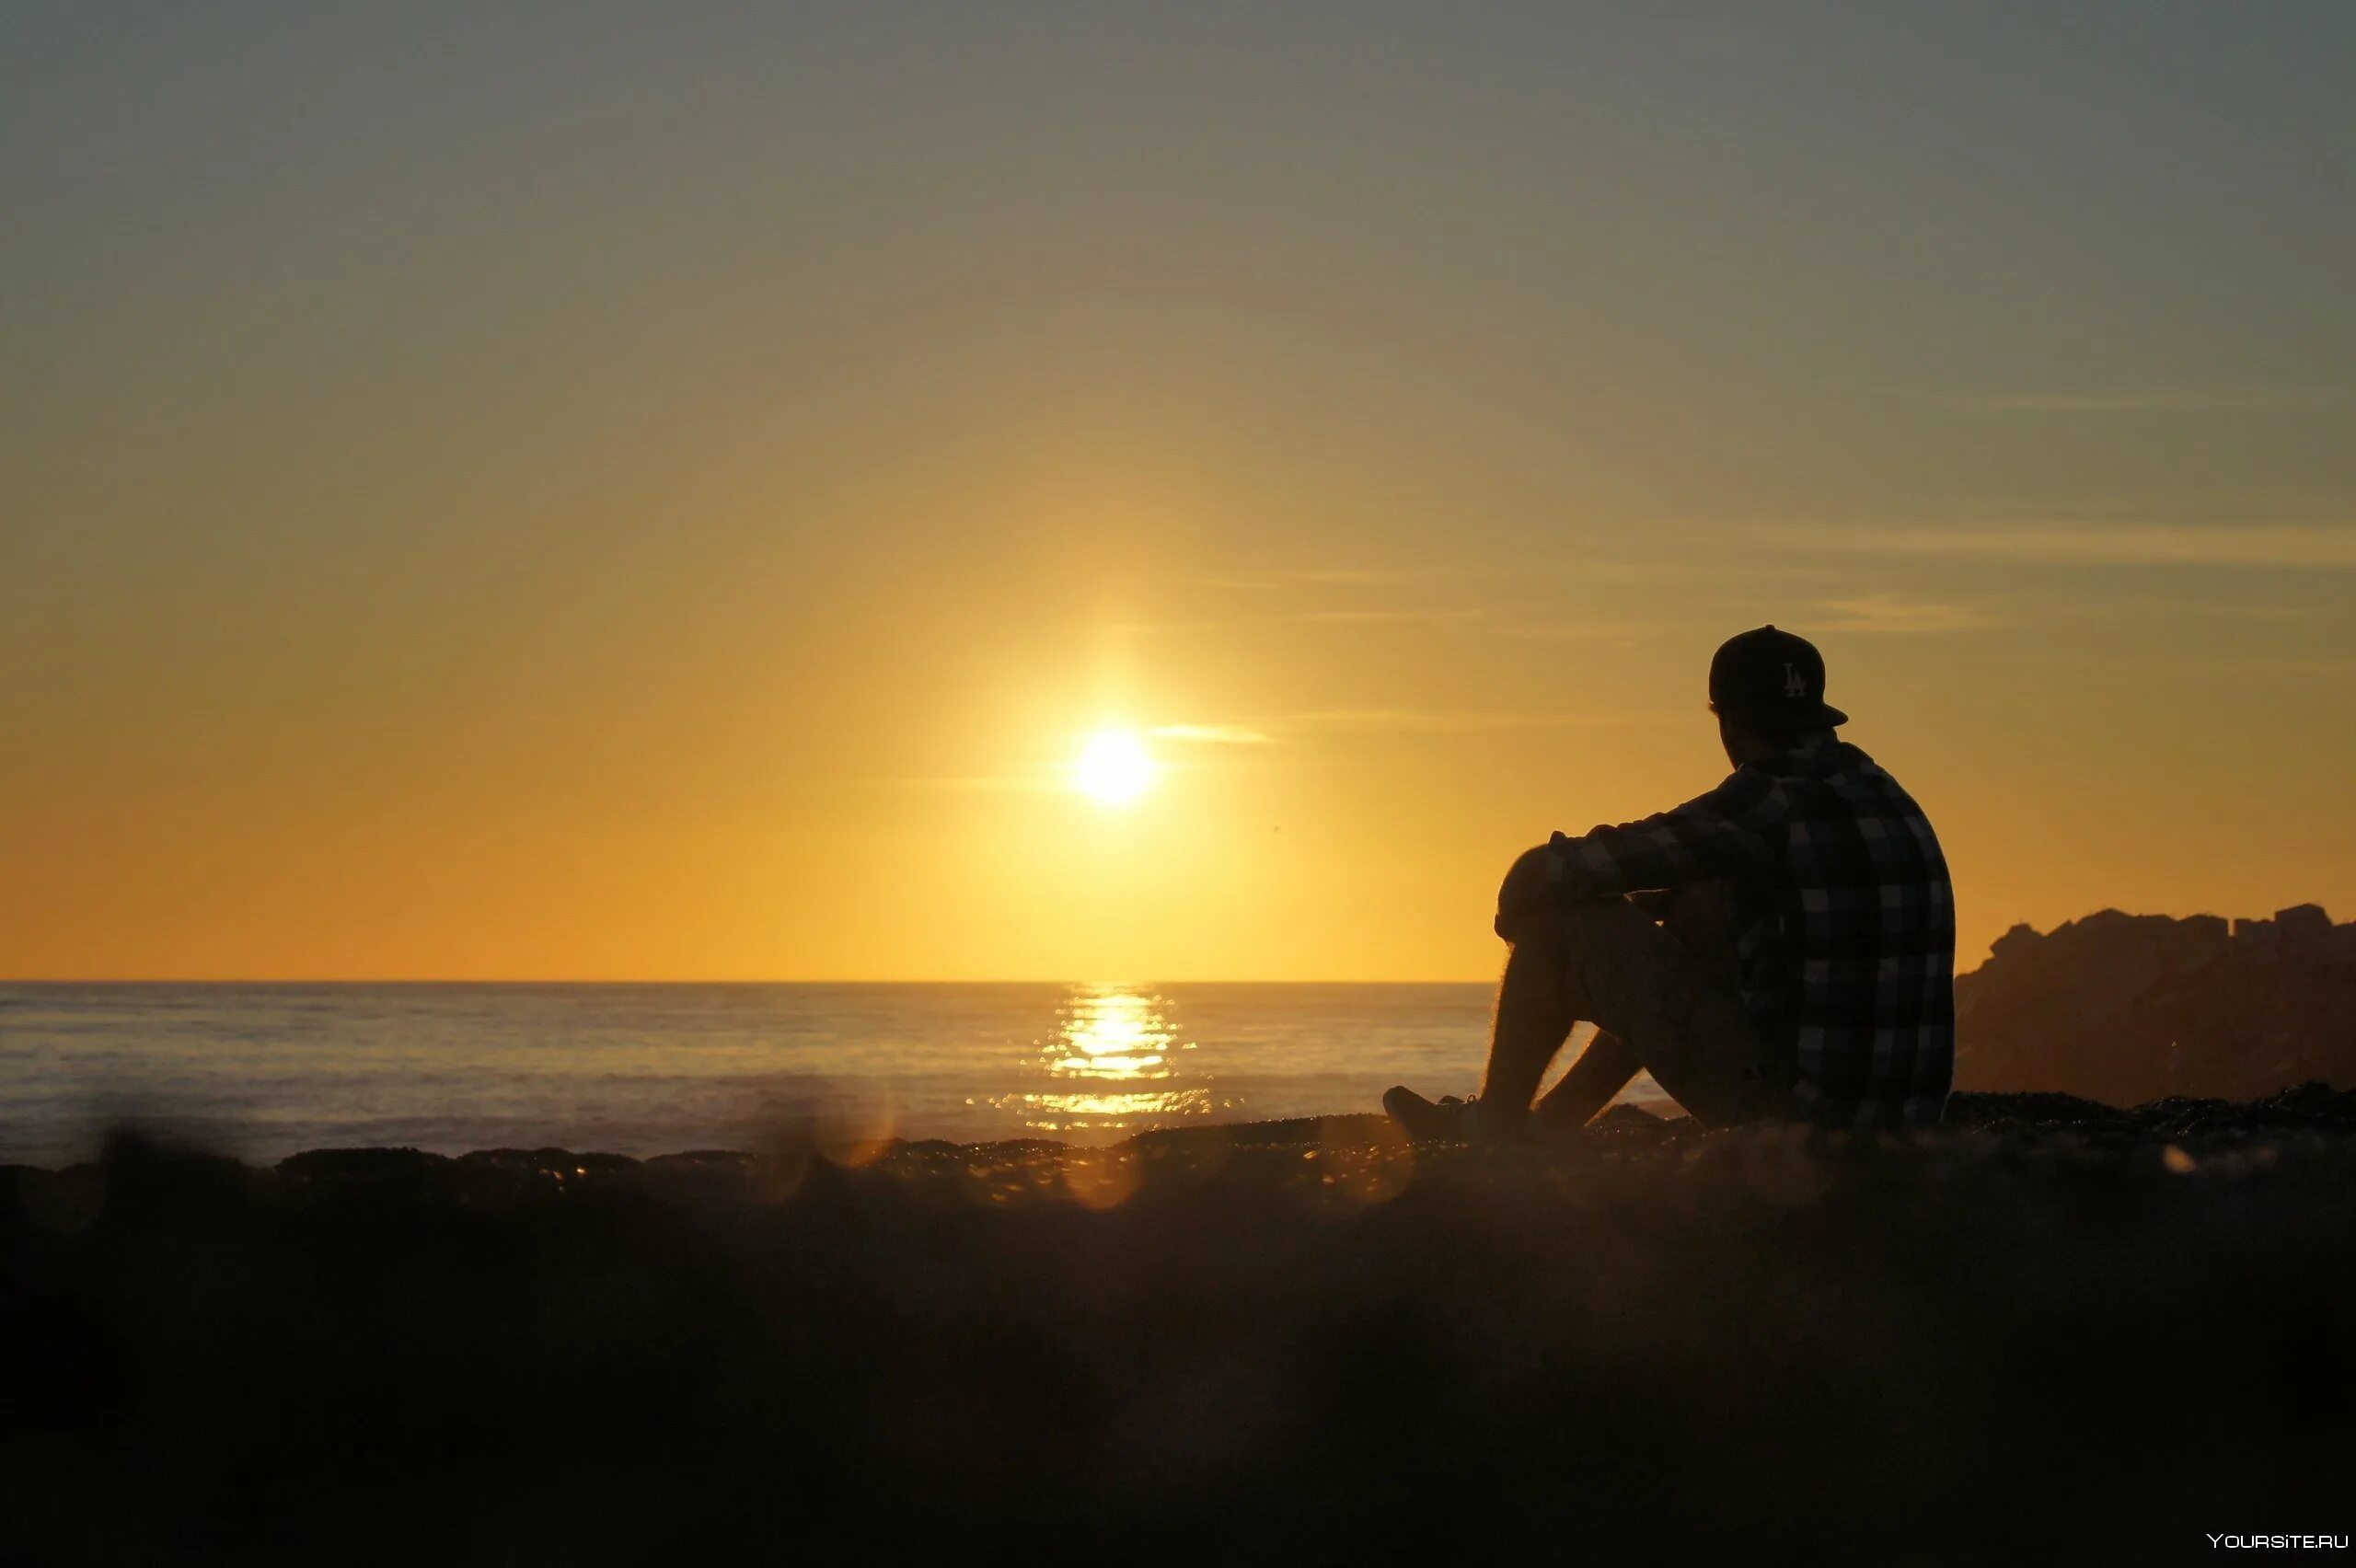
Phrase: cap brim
x=1830 y=717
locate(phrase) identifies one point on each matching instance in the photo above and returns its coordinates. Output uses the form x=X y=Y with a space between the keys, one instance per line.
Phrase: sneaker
x=1445 y=1120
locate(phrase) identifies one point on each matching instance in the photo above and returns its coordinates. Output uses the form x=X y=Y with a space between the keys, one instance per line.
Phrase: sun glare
x=1113 y=768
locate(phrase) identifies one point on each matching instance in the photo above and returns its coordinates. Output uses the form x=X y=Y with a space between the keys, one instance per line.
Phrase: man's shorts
x=1671 y=993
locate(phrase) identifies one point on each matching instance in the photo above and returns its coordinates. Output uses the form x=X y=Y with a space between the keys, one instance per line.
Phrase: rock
x=2304 y=928
x=1633 y=1123
x=2206 y=937
x=1626 y=1115
x=1967 y=1110
x=61 y=1201
x=2016 y=945
x=2313 y=1103
x=2128 y=1009
x=343 y=1168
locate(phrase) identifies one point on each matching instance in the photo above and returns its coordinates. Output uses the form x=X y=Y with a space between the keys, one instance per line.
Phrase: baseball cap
x=1771 y=680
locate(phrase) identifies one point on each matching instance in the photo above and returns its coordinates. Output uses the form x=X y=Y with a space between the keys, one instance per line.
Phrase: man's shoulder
x=1747 y=788
x=1837 y=778
x=1831 y=763
x=1862 y=787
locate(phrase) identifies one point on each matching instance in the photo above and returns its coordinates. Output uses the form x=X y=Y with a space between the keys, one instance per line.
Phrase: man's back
x=1844 y=922
x=1865 y=922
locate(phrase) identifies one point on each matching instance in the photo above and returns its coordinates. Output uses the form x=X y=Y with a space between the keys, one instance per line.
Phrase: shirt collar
x=1812 y=750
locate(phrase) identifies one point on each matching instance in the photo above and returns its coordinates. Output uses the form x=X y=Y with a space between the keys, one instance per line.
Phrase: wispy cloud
x=1281 y=730
x=1569 y=626
x=1368 y=614
x=1276 y=729
x=1339 y=577
x=1168 y=628
x=2168 y=400
x=2103 y=544
x=2190 y=663
x=1420 y=719
x=2231 y=609
x=1210 y=734
x=1886 y=612
x=1404 y=614
x=1368 y=577
x=990 y=782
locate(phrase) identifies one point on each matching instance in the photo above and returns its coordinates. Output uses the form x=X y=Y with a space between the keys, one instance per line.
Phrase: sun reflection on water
x=1116 y=1049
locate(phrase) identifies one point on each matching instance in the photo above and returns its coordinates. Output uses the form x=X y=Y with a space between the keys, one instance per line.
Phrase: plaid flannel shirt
x=1843 y=917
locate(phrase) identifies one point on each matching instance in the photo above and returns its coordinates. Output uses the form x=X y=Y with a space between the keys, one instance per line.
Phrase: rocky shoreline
x=1300 y=1340
x=2180 y=1134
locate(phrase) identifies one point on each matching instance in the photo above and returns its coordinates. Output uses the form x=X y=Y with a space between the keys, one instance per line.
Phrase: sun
x=1113 y=768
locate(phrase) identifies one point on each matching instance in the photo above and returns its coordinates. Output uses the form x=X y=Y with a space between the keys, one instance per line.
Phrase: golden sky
x=669 y=494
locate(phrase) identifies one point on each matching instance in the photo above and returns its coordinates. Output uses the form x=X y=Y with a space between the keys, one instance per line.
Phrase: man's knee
x=1561 y=928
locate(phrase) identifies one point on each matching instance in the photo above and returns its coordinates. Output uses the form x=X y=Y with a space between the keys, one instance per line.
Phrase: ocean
x=262 y=1071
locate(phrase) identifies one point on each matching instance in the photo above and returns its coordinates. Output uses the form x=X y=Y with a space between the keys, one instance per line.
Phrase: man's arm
x=1733 y=831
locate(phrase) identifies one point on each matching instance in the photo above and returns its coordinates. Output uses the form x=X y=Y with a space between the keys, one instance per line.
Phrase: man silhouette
x=1804 y=959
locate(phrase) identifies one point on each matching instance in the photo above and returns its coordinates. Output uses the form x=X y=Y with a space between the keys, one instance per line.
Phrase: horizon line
x=736 y=980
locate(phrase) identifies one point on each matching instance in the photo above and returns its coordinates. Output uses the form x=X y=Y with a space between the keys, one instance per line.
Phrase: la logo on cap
x=1795 y=684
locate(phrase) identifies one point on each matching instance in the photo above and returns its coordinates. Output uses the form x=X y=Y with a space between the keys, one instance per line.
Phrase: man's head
x=1767 y=688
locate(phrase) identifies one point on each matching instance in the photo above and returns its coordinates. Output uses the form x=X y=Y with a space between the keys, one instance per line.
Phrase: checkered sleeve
x=1735 y=830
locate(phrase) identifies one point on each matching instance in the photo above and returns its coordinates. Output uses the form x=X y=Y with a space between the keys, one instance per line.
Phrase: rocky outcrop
x=2133 y=1007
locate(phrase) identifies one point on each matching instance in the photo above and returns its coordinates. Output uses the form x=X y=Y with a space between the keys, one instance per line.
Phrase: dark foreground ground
x=2052 y=1326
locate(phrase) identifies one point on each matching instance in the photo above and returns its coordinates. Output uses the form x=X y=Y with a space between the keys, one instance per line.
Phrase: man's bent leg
x=1594 y=1081
x=1675 y=1013
x=1698 y=918
x=1534 y=1019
